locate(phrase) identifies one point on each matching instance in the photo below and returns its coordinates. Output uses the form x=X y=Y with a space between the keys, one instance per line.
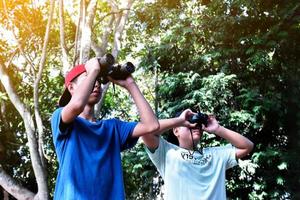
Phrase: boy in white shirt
x=190 y=174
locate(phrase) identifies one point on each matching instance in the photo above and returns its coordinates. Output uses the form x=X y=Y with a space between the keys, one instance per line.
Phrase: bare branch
x=82 y=26
x=66 y=64
x=100 y=51
x=11 y=92
x=97 y=49
x=87 y=33
x=110 y=14
x=77 y=33
x=105 y=36
x=99 y=104
x=121 y=22
x=12 y=57
x=38 y=118
x=15 y=189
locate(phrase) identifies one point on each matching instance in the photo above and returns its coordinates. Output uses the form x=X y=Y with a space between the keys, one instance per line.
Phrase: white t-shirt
x=192 y=176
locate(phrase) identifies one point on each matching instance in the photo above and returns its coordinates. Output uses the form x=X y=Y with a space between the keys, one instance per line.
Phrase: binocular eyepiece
x=116 y=71
x=199 y=118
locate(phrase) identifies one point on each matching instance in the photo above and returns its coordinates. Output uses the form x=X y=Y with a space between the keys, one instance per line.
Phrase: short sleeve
x=232 y=160
x=227 y=154
x=55 y=125
x=158 y=157
x=125 y=130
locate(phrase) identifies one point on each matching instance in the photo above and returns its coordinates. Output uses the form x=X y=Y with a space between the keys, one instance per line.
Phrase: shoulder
x=121 y=123
x=55 y=118
x=220 y=148
x=164 y=142
x=222 y=152
x=110 y=121
x=57 y=112
x=164 y=145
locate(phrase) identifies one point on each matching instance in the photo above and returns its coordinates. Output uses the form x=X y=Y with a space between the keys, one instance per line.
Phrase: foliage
x=239 y=60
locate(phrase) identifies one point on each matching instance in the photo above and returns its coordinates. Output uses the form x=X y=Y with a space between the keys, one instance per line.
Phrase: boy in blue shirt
x=88 y=150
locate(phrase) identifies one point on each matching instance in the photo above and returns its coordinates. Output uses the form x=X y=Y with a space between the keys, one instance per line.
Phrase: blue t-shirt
x=89 y=158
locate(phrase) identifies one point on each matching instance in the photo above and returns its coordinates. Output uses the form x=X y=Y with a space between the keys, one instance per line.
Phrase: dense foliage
x=238 y=60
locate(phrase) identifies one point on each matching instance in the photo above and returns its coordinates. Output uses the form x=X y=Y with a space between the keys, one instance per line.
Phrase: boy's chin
x=196 y=138
x=94 y=101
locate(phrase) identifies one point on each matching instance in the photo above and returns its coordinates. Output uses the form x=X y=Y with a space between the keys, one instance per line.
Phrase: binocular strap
x=195 y=146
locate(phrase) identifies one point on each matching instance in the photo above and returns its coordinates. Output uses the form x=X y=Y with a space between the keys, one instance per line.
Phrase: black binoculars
x=115 y=71
x=199 y=118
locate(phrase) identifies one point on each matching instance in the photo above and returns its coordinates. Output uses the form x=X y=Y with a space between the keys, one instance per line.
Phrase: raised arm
x=152 y=140
x=81 y=91
x=148 y=121
x=244 y=145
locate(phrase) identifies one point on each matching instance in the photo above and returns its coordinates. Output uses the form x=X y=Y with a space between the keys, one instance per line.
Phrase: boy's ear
x=175 y=131
x=71 y=88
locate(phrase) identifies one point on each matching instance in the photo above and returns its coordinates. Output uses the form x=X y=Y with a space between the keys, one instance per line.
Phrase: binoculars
x=199 y=118
x=115 y=71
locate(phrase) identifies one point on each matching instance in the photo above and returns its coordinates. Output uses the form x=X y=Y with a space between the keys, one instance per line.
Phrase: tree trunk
x=15 y=189
x=35 y=148
x=5 y=195
x=30 y=130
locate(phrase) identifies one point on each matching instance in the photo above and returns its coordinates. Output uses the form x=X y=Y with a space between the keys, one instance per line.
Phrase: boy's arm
x=82 y=93
x=148 y=121
x=244 y=145
x=152 y=140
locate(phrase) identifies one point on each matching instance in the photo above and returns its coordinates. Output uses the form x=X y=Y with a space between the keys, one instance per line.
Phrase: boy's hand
x=92 y=66
x=212 y=125
x=123 y=83
x=185 y=116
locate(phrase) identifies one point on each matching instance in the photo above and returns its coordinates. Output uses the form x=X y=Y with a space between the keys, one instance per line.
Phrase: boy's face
x=185 y=137
x=96 y=93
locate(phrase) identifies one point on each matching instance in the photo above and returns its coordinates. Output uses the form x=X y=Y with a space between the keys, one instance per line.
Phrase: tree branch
x=120 y=24
x=75 y=58
x=30 y=130
x=15 y=189
x=42 y=180
x=87 y=33
x=65 y=61
x=99 y=104
x=38 y=118
x=82 y=26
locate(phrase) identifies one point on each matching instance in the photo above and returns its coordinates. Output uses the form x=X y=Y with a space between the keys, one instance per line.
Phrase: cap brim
x=65 y=98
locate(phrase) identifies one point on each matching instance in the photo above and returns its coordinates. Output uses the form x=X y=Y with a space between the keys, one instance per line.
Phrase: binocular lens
x=129 y=67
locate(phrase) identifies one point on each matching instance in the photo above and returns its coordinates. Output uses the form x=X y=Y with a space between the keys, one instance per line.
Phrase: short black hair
x=171 y=137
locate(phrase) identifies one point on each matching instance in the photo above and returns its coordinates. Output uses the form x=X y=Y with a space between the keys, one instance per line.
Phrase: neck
x=187 y=145
x=88 y=113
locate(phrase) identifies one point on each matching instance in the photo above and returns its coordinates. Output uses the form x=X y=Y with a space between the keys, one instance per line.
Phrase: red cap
x=66 y=96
